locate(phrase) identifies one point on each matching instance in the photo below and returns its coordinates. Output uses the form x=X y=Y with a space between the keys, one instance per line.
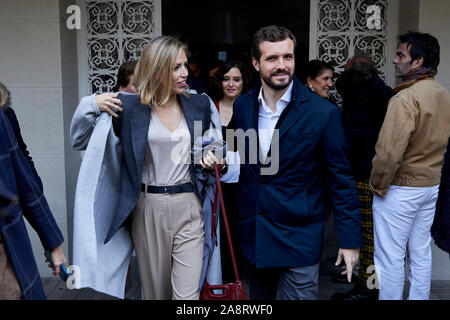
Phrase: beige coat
x=412 y=141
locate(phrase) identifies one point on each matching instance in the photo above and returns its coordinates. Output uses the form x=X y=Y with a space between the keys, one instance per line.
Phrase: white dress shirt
x=267 y=119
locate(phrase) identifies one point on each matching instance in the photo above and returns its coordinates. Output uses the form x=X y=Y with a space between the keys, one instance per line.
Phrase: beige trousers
x=168 y=236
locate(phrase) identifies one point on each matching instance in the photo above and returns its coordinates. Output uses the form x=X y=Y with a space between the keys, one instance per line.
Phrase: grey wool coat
x=103 y=266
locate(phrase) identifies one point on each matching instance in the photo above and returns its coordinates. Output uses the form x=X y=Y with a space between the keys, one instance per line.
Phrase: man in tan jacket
x=407 y=167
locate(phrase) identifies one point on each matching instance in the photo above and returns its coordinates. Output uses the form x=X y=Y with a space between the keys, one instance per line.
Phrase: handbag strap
x=225 y=220
x=213 y=229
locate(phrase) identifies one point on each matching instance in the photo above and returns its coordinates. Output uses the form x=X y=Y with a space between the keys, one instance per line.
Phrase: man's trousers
x=402 y=221
x=366 y=250
x=295 y=283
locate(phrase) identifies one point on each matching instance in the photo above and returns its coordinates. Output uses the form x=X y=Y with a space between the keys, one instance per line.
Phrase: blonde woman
x=157 y=184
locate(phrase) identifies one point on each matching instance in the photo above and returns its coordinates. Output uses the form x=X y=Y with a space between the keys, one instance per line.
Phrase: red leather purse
x=230 y=291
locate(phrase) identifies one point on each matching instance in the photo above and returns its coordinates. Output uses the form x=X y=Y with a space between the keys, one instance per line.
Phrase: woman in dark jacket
x=440 y=230
x=232 y=80
x=365 y=99
x=21 y=197
x=5 y=104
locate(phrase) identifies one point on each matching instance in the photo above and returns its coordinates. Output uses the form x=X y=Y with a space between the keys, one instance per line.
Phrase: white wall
x=430 y=16
x=409 y=16
x=434 y=18
x=69 y=82
x=30 y=66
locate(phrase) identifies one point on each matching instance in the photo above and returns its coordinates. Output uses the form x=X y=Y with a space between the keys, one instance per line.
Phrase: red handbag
x=230 y=291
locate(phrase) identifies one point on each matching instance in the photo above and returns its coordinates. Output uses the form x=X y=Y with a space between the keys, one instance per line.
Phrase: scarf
x=413 y=76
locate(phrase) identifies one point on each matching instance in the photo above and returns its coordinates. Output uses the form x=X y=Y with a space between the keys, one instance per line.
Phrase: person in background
x=231 y=80
x=440 y=230
x=406 y=169
x=212 y=67
x=125 y=83
x=194 y=80
x=125 y=77
x=363 y=109
x=21 y=196
x=318 y=78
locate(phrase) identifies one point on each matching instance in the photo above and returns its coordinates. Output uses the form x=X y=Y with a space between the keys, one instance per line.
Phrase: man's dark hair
x=271 y=33
x=422 y=45
x=126 y=70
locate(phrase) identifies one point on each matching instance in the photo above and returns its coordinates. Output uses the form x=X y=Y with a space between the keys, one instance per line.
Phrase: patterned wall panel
x=342 y=30
x=117 y=31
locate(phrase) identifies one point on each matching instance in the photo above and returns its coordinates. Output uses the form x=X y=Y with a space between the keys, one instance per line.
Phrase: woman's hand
x=108 y=102
x=58 y=258
x=209 y=159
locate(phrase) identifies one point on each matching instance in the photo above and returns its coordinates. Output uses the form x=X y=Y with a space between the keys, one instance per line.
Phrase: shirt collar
x=285 y=99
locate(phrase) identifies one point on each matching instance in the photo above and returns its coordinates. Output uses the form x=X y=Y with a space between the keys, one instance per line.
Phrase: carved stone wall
x=117 y=31
x=343 y=28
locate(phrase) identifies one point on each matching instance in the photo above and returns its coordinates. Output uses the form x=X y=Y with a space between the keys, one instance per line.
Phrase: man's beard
x=275 y=86
x=402 y=70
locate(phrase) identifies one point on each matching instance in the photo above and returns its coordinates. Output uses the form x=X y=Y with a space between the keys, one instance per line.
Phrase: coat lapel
x=253 y=118
x=139 y=123
x=191 y=114
x=294 y=110
x=292 y=113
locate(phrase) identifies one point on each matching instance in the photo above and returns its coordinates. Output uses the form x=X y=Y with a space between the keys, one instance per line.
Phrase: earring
x=311 y=87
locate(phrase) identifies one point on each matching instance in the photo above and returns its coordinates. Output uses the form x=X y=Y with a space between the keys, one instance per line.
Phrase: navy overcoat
x=440 y=229
x=281 y=216
x=21 y=196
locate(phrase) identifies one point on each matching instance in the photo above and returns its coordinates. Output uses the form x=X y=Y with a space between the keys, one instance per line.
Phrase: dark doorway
x=223 y=29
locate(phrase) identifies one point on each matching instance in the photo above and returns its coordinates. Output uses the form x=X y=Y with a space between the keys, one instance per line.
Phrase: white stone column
x=39 y=68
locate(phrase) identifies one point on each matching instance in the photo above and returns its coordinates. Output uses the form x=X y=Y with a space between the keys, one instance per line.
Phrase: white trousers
x=402 y=221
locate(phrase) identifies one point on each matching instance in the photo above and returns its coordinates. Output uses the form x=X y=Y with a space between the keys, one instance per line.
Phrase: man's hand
x=108 y=102
x=58 y=258
x=351 y=257
x=209 y=159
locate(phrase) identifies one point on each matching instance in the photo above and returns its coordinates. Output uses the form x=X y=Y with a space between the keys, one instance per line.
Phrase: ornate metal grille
x=342 y=31
x=117 y=31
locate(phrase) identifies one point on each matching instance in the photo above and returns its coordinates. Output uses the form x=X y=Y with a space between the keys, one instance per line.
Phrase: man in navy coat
x=300 y=151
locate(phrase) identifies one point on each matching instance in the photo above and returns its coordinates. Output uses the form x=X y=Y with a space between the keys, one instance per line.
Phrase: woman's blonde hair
x=153 y=74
